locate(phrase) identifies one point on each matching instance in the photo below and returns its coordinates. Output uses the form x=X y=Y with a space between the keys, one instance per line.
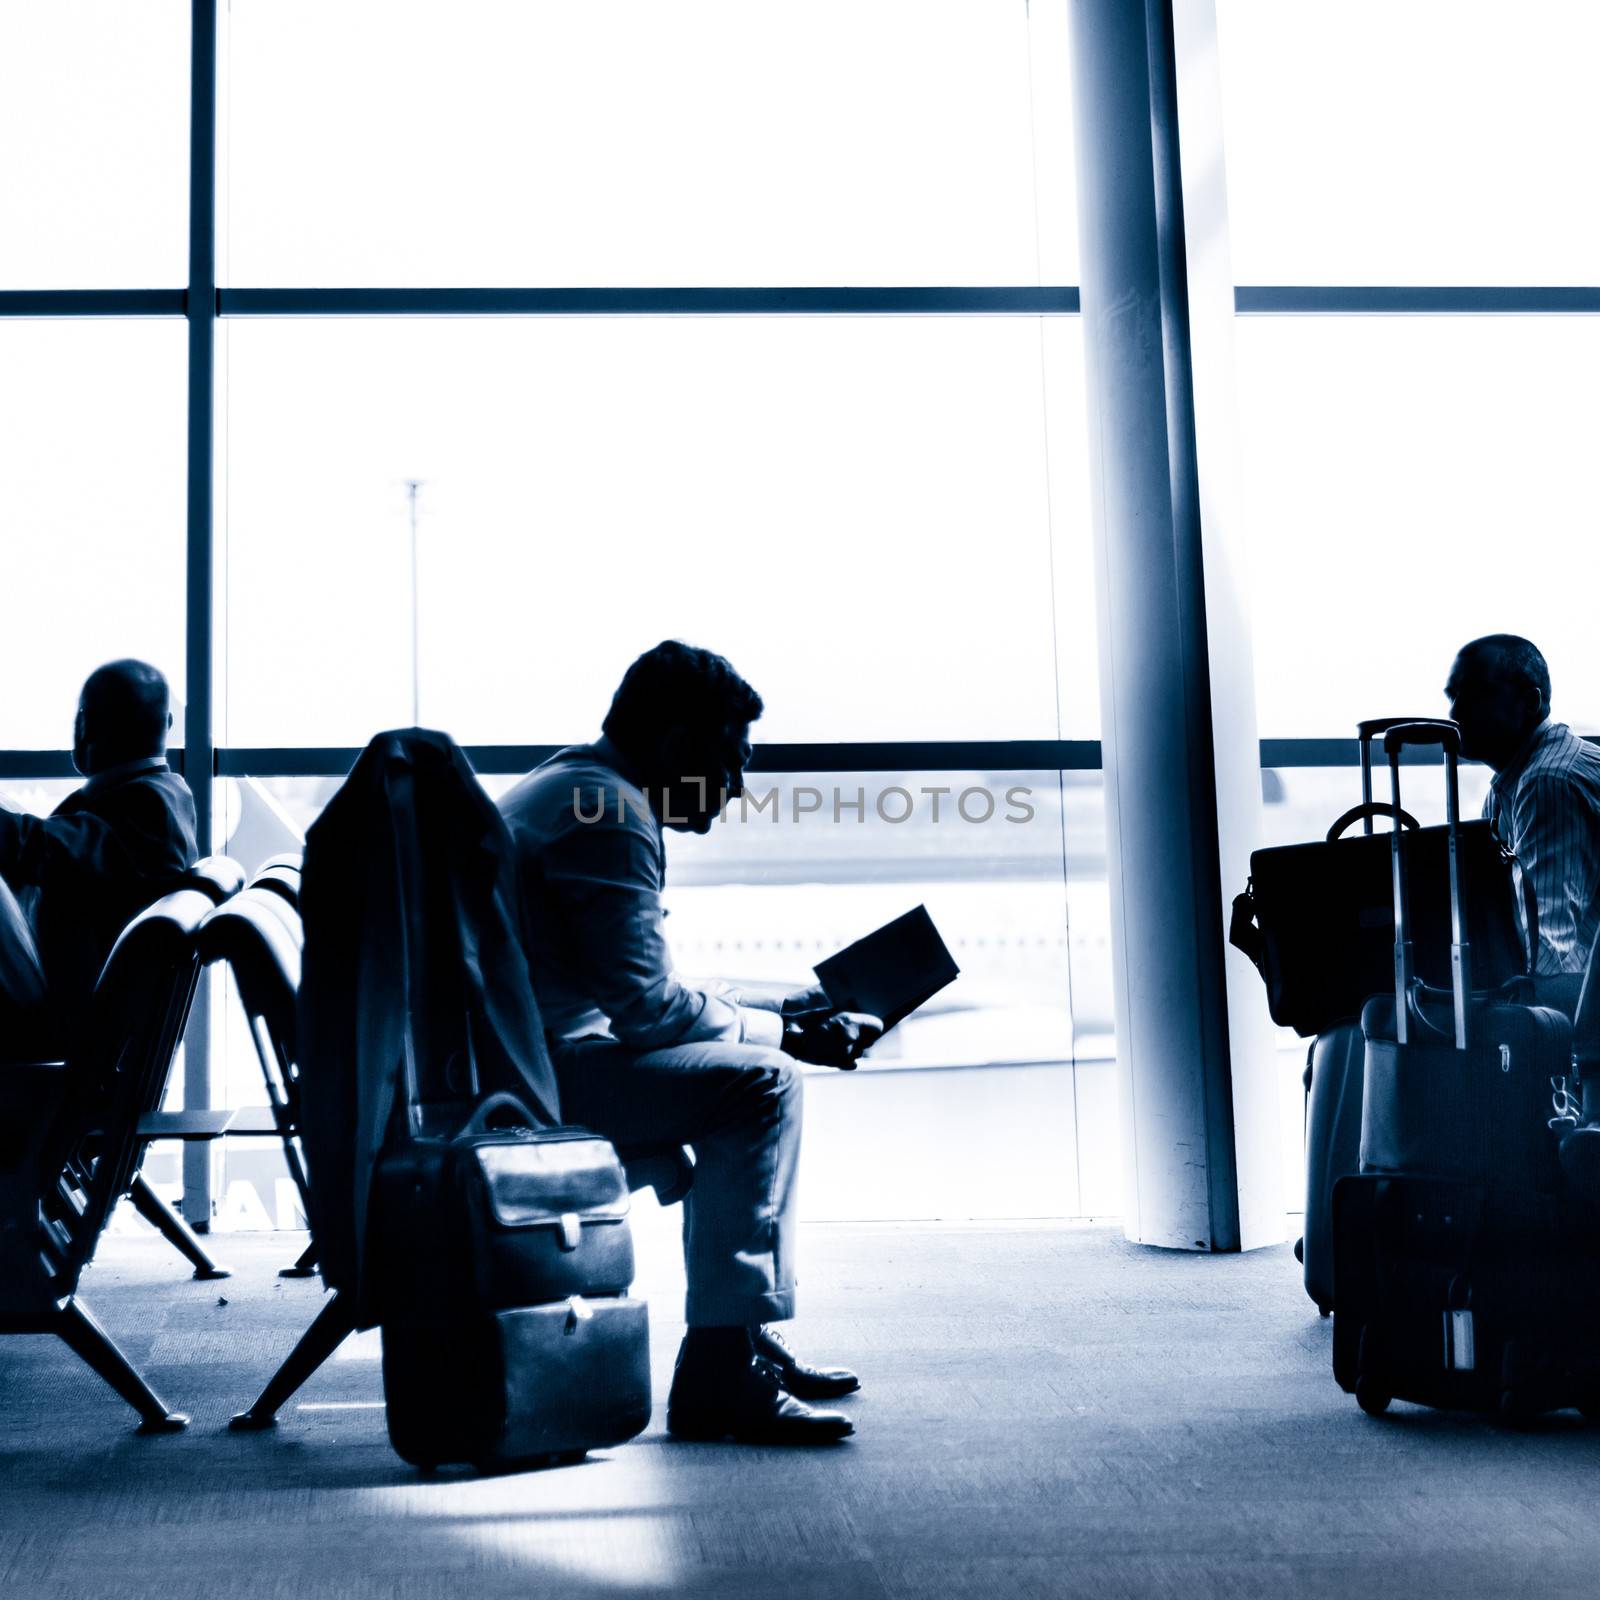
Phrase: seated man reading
x=650 y=1060
x=70 y=882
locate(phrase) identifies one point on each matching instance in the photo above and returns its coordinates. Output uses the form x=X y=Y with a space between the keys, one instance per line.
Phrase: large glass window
x=1411 y=483
x=94 y=143
x=1427 y=142
x=92 y=503
x=702 y=142
x=999 y=1097
x=858 y=511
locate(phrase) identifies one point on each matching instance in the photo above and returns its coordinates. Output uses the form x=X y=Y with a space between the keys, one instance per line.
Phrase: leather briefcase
x=501 y=1259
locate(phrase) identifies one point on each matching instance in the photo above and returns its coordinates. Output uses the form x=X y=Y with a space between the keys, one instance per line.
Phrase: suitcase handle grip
x=1366 y=732
x=1423 y=730
x=1369 y=730
x=1365 y=812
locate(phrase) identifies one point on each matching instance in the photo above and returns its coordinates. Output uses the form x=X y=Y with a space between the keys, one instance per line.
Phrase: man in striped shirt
x=1544 y=802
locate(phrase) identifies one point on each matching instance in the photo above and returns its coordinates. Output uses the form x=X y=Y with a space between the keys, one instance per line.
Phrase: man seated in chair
x=650 y=1060
x=70 y=882
x=1544 y=802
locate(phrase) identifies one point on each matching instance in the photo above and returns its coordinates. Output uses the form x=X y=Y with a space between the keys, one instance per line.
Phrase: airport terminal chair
x=259 y=935
x=70 y=1141
x=280 y=875
x=219 y=878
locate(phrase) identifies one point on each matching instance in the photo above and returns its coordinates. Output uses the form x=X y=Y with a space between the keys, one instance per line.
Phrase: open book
x=891 y=972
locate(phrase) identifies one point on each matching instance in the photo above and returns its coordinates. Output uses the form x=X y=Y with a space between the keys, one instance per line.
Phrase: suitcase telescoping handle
x=1448 y=736
x=1366 y=732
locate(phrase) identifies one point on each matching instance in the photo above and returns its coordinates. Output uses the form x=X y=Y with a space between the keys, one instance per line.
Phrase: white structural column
x=1178 y=725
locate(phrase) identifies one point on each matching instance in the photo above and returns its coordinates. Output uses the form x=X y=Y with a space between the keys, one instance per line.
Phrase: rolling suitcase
x=1457 y=1279
x=1333 y=1146
x=503 y=1259
x=1460 y=1296
x=1336 y=1064
x=1457 y=1084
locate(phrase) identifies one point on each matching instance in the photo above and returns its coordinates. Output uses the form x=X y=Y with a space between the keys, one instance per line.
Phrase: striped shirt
x=1545 y=807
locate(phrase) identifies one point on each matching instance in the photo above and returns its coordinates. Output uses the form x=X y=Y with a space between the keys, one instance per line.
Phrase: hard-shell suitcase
x=1333 y=1146
x=502 y=1260
x=1457 y=1279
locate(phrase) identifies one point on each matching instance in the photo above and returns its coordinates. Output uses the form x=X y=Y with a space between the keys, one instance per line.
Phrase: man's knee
x=768 y=1080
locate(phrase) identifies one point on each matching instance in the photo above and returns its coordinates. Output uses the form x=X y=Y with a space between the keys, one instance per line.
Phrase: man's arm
x=32 y=848
x=605 y=880
x=1553 y=841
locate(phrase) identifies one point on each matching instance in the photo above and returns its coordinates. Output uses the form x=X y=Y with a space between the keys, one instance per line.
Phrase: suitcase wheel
x=1372 y=1397
x=1324 y=1311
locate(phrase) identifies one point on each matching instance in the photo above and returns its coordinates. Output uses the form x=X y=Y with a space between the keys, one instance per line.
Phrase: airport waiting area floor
x=1047 y=1411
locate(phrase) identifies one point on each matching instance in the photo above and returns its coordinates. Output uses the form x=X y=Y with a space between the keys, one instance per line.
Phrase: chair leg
x=85 y=1336
x=334 y=1322
x=173 y=1228
x=305 y=1264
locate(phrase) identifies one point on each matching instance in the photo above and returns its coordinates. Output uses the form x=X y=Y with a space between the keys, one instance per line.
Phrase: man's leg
x=739 y=1107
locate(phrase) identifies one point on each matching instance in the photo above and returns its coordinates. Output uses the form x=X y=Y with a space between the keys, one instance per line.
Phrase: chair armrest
x=199 y=1126
x=188 y=1125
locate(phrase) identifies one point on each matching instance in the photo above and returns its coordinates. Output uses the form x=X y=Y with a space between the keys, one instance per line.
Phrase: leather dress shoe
x=748 y=1404
x=804 y=1382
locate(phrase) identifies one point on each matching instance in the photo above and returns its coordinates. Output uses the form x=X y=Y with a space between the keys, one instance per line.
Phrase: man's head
x=1499 y=692
x=122 y=716
x=682 y=716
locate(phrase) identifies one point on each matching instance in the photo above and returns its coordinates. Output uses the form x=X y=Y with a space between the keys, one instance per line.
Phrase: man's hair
x=125 y=709
x=678 y=684
x=1511 y=658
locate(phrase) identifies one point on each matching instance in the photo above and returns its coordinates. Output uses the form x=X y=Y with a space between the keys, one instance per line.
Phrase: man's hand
x=830 y=1038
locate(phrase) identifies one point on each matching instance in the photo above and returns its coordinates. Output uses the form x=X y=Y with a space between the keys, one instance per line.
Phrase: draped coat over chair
x=415 y=988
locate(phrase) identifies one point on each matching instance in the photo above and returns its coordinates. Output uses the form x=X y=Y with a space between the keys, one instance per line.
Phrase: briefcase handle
x=1366 y=811
x=492 y=1106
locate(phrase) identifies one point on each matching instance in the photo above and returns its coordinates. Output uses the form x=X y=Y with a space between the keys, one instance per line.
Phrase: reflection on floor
x=936 y=1144
x=1048 y=1412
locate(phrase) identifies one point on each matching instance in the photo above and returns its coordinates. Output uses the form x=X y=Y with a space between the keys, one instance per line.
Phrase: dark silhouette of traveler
x=649 y=1060
x=70 y=882
x=1544 y=802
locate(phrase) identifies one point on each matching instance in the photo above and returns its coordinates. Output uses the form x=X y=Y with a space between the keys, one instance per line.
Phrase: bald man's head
x=1499 y=692
x=123 y=715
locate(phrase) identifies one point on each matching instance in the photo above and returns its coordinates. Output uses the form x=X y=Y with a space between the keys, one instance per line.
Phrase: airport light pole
x=413 y=485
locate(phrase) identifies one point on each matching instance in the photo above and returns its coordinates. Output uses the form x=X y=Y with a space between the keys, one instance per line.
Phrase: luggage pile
x=503 y=1259
x=1440 y=1231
